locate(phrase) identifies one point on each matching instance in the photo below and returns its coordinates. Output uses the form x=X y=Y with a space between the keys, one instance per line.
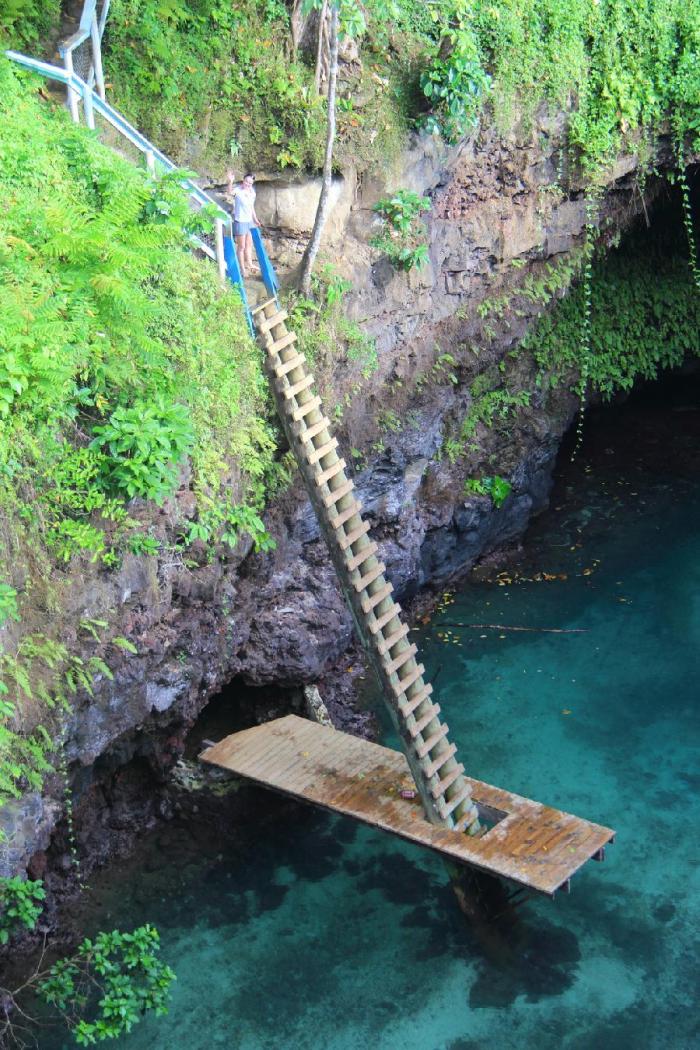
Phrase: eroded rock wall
x=278 y=618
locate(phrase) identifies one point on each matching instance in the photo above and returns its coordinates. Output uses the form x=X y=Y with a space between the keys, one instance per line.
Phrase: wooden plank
x=535 y=845
x=281 y=344
x=289 y=366
x=357 y=559
x=326 y=475
x=308 y=433
x=364 y=581
x=266 y=324
x=308 y=406
x=314 y=455
x=335 y=494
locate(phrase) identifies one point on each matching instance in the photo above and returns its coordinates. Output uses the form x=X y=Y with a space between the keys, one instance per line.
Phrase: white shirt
x=243 y=204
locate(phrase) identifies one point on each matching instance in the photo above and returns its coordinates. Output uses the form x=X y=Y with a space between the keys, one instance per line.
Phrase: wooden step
x=450 y=806
x=267 y=323
x=326 y=475
x=264 y=306
x=347 y=541
x=466 y=820
x=431 y=769
x=362 y=556
x=338 y=520
x=427 y=746
x=369 y=577
x=308 y=406
x=425 y=720
x=289 y=366
x=385 y=644
x=317 y=454
x=308 y=433
x=411 y=677
x=449 y=780
x=379 y=624
x=414 y=703
x=408 y=654
x=303 y=384
x=372 y=600
x=335 y=494
x=282 y=344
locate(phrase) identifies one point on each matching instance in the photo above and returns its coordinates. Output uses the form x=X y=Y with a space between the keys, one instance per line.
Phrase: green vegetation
x=107 y=985
x=27 y=23
x=627 y=64
x=498 y=488
x=644 y=316
x=402 y=238
x=19 y=909
x=123 y=358
x=122 y=353
x=100 y=991
x=230 y=76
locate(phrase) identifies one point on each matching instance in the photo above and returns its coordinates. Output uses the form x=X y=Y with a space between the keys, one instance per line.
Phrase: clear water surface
x=327 y=936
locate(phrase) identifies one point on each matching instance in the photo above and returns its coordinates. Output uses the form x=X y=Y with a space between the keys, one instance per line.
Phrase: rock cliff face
x=279 y=619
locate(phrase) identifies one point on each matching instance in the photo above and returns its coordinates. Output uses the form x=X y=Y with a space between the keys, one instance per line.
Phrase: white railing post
x=150 y=162
x=219 y=240
x=89 y=111
x=72 y=93
x=97 y=56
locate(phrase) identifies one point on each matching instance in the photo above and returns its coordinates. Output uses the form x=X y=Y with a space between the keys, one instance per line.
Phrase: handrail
x=94 y=104
x=224 y=253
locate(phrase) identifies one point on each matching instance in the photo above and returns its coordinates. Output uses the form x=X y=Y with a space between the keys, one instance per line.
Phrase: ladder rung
x=401 y=659
x=386 y=644
x=315 y=455
x=335 y=494
x=370 y=577
x=311 y=432
x=427 y=746
x=431 y=769
x=411 y=677
x=468 y=818
x=380 y=623
x=263 y=306
x=326 y=475
x=451 y=805
x=296 y=388
x=414 y=703
x=372 y=600
x=282 y=344
x=289 y=366
x=347 y=541
x=362 y=556
x=308 y=406
x=272 y=322
x=338 y=520
x=425 y=720
x=449 y=780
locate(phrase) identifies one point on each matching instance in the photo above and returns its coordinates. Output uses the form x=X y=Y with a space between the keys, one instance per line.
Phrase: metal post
x=151 y=163
x=89 y=111
x=220 y=258
x=97 y=56
x=72 y=93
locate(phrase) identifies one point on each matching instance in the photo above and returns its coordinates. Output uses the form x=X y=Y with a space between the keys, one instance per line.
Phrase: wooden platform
x=532 y=844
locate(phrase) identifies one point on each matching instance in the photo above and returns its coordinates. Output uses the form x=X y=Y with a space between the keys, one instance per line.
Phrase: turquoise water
x=326 y=936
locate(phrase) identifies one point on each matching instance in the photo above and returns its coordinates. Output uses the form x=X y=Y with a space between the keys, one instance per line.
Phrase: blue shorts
x=239 y=228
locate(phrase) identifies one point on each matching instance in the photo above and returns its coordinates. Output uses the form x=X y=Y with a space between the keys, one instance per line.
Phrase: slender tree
x=325 y=197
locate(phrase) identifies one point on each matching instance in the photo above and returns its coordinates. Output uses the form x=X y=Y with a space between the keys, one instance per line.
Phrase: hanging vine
x=592 y=203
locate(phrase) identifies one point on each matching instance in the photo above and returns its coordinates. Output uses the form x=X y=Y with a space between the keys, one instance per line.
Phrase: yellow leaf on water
x=566 y=711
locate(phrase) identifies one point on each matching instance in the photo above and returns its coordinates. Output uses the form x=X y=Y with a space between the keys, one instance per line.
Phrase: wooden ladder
x=432 y=758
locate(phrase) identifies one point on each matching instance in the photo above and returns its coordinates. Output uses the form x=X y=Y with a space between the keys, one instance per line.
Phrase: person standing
x=244 y=219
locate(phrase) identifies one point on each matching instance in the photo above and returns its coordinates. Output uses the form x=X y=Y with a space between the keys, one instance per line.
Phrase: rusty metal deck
x=532 y=844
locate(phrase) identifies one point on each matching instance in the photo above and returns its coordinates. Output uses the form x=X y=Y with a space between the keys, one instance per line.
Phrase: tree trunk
x=296 y=25
x=324 y=200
